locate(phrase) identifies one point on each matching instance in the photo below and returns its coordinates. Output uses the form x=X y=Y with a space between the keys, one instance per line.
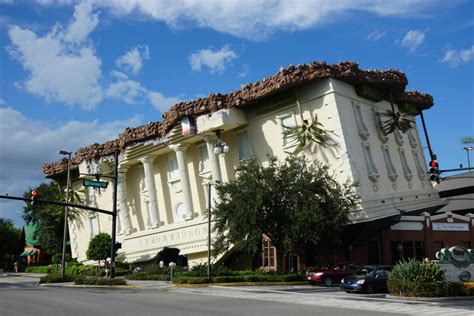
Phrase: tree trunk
x=280 y=258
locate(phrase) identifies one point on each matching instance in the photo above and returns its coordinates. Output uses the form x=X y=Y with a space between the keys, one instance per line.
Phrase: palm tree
x=395 y=120
x=307 y=133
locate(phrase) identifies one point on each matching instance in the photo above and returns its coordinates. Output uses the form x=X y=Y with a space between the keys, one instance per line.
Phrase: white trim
x=359 y=117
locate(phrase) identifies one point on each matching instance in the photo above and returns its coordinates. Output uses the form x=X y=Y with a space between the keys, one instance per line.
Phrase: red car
x=333 y=274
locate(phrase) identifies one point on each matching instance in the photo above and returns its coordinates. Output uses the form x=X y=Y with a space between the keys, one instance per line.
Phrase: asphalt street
x=19 y=295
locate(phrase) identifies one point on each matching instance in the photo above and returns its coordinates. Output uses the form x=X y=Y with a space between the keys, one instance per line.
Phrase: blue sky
x=73 y=73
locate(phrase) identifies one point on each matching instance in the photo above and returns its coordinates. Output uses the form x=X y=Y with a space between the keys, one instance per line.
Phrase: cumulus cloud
x=413 y=39
x=62 y=65
x=132 y=61
x=257 y=19
x=132 y=92
x=27 y=144
x=215 y=61
x=457 y=57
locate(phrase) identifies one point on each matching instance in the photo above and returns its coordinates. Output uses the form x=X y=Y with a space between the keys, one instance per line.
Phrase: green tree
x=48 y=217
x=293 y=202
x=99 y=247
x=9 y=242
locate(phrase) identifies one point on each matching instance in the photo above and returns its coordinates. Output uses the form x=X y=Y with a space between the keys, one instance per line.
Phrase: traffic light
x=34 y=197
x=434 y=170
x=118 y=245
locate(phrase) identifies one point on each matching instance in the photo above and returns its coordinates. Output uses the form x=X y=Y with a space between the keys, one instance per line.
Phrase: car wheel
x=328 y=281
x=370 y=289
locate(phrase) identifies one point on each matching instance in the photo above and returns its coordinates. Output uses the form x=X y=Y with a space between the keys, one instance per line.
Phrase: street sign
x=95 y=184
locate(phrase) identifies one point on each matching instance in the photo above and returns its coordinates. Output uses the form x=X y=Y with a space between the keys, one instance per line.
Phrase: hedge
x=83 y=280
x=56 y=278
x=429 y=289
x=238 y=278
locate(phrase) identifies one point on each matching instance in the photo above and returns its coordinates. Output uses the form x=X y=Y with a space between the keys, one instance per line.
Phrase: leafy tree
x=294 y=203
x=48 y=217
x=99 y=247
x=9 y=240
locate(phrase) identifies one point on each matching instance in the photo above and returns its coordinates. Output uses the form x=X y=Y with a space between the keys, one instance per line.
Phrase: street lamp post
x=468 y=149
x=63 y=259
x=220 y=148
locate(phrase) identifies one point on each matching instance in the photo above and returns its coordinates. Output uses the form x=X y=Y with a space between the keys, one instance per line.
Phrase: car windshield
x=365 y=271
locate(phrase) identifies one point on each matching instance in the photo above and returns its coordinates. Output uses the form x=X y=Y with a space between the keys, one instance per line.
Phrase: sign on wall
x=451 y=226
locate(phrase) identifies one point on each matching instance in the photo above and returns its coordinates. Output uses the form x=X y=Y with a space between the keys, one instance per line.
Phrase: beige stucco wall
x=330 y=100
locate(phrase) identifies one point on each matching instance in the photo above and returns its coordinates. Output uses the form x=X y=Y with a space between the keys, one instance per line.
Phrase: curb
x=88 y=286
x=430 y=299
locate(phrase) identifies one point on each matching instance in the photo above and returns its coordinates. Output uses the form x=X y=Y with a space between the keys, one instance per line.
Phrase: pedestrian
x=15 y=266
x=107 y=269
x=162 y=264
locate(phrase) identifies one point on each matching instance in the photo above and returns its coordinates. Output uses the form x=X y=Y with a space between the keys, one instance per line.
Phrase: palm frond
x=396 y=120
x=306 y=134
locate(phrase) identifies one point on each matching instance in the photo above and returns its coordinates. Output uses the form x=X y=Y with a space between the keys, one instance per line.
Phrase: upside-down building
x=165 y=166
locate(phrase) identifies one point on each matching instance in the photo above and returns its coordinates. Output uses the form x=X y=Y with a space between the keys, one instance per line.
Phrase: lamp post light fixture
x=220 y=146
x=468 y=149
x=68 y=180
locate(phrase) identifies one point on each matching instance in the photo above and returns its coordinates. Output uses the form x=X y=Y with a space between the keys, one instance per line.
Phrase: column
x=124 y=215
x=183 y=173
x=150 y=186
x=215 y=168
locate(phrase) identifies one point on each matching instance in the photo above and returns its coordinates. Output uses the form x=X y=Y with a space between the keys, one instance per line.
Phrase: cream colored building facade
x=163 y=183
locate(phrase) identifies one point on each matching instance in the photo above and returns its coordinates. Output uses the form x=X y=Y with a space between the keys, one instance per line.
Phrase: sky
x=74 y=73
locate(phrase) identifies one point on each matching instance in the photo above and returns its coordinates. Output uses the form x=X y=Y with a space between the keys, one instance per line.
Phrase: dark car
x=369 y=279
x=333 y=274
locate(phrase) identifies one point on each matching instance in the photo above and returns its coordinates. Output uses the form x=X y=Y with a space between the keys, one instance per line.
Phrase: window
x=204 y=163
x=398 y=137
x=419 y=165
x=245 y=149
x=94 y=223
x=406 y=168
x=172 y=166
x=361 y=127
x=412 y=138
x=269 y=256
x=419 y=250
x=396 y=251
x=392 y=172
x=372 y=169
x=379 y=125
x=287 y=120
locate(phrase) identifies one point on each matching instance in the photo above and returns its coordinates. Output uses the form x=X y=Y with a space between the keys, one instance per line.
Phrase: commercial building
x=165 y=167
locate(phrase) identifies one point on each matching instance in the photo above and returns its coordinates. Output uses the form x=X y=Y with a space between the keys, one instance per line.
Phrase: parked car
x=369 y=279
x=333 y=274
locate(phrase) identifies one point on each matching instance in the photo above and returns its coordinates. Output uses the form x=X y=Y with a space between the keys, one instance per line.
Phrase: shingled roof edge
x=284 y=79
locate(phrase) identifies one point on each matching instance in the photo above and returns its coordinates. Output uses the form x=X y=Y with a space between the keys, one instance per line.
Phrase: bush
x=84 y=280
x=56 y=278
x=414 y=278
x=41 y=269
x=58 y=257
x=200 y=270
x=258 y=277
x=148 y=276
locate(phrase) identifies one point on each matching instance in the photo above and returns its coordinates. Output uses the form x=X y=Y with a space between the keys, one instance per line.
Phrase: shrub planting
x=56 y=278
x=87 y=280
x=414 y=278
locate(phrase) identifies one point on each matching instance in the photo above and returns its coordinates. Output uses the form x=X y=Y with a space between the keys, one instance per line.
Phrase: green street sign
x=95 y=184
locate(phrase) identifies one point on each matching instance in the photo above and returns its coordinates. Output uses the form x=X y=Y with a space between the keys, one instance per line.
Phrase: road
x=20 y=296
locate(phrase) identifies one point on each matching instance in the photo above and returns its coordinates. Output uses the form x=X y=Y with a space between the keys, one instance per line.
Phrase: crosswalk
x=329 y=299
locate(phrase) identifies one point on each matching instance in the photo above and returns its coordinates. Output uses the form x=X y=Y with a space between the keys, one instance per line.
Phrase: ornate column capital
x=147 y=159
x=178 y=147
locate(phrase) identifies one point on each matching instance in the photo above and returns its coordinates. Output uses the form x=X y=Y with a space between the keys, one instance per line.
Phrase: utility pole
x=432 y=156
x=209 y=206
x=68 y=180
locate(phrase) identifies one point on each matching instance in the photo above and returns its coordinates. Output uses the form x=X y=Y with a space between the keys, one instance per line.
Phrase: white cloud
x=215 y=61
x=257 y=19
x=2 y=102
x=160 y=102
x=455 y=58
x=413 y=39
x=62 y=66
x=85 y=21
x=132 y=92
x=132 y=61
x=376 y=35
x=27 y=144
